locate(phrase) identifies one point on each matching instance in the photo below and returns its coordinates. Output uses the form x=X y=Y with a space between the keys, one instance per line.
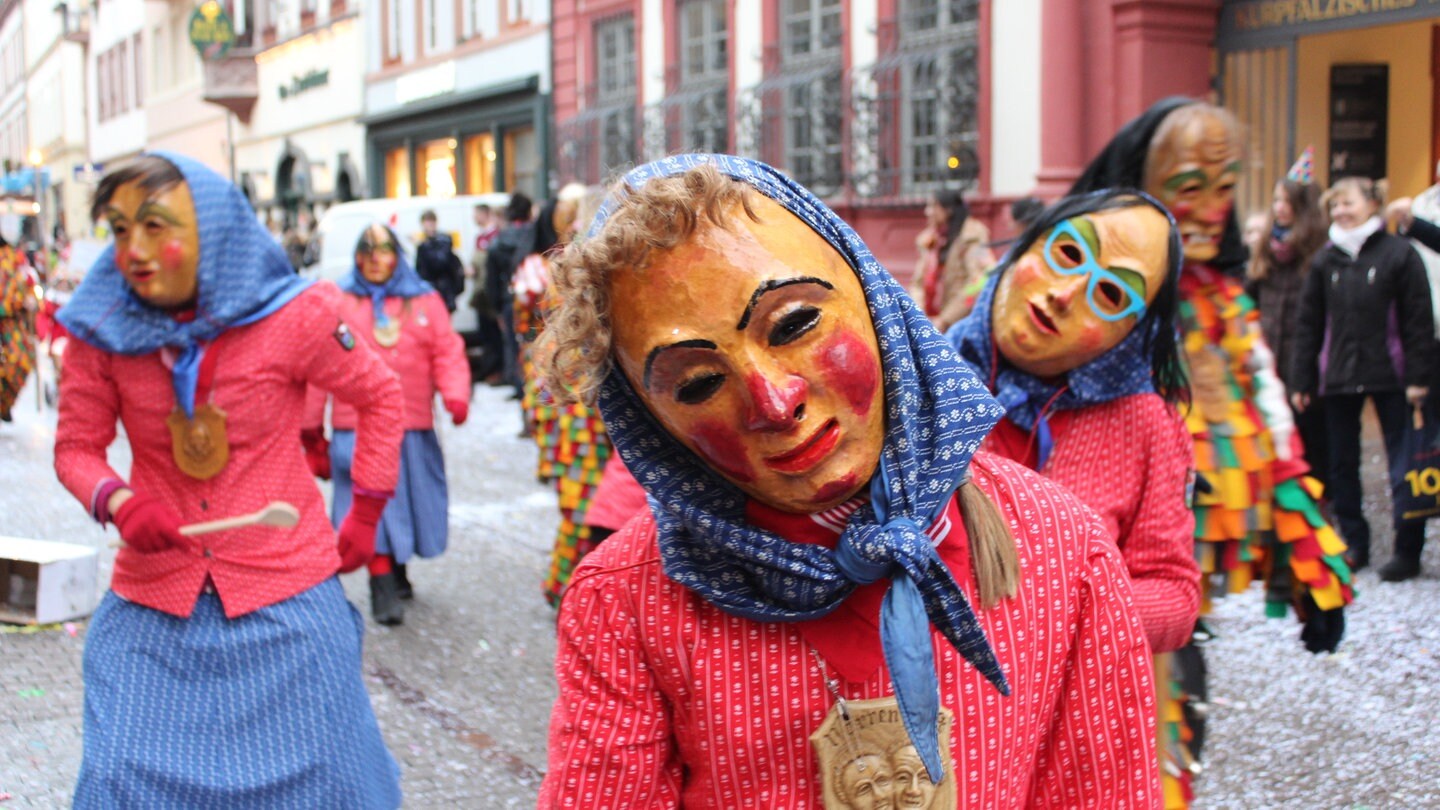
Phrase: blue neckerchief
x=1028 y=400
x=243 y=277
x=937 y=412
x=405 y=282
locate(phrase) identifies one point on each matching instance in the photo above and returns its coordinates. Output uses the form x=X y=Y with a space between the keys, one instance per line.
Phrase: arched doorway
x=292 y=184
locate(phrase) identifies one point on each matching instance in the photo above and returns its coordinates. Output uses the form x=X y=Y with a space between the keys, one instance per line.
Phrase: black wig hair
x=545 y=234
x=1162 y=340
x=953 y=201
x=153 y=173
x=1121 y=164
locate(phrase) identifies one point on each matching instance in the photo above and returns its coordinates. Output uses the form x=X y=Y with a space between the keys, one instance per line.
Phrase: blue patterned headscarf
x=1028 y=400
x=937 y=412
x=243 y=276
x=405 y=282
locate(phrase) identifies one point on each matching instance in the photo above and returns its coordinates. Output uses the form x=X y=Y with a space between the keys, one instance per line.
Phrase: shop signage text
x=1262 y=14
x=299 y=84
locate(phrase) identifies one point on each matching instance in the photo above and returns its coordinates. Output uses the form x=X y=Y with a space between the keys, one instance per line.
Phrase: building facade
x=116 y=92
x=1356 y=81
x=55 y=37
x=14 y=123
x=873 y=104
x=304 y=146
x=457 y=97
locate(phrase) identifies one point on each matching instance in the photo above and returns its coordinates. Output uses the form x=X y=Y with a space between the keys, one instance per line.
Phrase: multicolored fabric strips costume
x=1258 y=516
x=574 y=446
x=17 y=358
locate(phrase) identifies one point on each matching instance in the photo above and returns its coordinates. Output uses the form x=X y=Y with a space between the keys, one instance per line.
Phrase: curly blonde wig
x=574 y=349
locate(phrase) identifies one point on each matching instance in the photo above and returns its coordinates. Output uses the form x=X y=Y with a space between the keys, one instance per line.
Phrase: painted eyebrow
x=1086 y=228
x=152 y=207
x=1185 y=177
x=771 y=286
x=679 y=344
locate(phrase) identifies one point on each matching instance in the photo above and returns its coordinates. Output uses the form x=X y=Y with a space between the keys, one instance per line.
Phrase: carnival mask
x=1080 y=289
x=157 y=243
x=1192 y=169
x=376 y=255
x=753 y=346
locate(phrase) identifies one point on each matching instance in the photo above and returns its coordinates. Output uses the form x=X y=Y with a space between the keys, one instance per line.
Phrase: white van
x=342 y=224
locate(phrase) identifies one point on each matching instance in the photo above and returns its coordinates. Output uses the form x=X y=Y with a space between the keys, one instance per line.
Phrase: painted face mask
x=765 y=367
x=157 y=243
x=376 y=255
x=1192 y=169
x=1080 y=289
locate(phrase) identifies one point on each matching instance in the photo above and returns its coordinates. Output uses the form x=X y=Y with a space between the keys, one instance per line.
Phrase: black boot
x=402 y=583
x=384 y=602
x=1409 y=542
x=1358 y=558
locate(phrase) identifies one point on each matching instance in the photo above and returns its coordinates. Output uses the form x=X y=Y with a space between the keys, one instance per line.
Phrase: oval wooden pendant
x=387 y=335
x=200 y=446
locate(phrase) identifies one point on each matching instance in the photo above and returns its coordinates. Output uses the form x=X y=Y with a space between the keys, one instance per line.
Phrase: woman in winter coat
x=954 y=255
x=223 y=669
x=388 y=307
x=1365 y=332
x=829 y=581
x=1279 y=263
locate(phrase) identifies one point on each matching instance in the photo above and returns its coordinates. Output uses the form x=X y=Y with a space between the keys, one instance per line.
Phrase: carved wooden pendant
x=866 y=759
x=200 y=446
x=387 y=335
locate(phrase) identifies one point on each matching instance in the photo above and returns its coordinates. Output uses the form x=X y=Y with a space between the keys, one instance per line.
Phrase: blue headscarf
x=937 y=412
x=1124 y=370
x=243 y=276
x=405 y=282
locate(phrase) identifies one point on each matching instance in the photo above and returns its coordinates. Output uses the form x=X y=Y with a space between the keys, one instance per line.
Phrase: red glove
x=459 y=410
x=148 y=526
x=357 y=532
x=317 y=452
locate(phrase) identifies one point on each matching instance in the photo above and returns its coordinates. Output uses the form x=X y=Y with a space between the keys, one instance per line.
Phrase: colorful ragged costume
x=572 y=440
x=1257 y=513
x=17 y=358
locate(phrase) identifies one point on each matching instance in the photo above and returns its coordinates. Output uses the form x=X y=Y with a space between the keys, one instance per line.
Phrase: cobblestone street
x=463 y=690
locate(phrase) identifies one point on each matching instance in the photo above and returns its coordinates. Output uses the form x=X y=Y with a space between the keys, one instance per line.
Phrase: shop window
x=397 y=173
x=435 y=168
x=522 y=161
x=480 y=164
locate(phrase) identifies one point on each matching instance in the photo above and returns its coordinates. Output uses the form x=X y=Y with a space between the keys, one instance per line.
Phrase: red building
x=873 y=104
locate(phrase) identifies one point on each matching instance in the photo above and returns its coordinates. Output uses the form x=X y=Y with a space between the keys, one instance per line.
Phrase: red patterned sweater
x=1130 y=459
x=665 y=701
x=261 y=374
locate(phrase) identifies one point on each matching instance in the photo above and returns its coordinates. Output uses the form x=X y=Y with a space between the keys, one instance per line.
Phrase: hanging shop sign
x=211 y=30
x=1359 y=114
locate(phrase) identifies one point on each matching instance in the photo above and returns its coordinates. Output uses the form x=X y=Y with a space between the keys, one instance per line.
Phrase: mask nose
x=1062 y=294
x=775 y=405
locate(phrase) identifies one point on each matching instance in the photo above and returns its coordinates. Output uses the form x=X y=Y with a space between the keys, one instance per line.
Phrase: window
x=515 y=13
x=522 y=161
x=615 y=91
x=811 y=97
x=435 y=168
x=432 y=23
x=137 y=73
x=392 y=31
x=480 y=164
x=810 y=27
x=937 y=91
x=397 y=173
x=702 y=95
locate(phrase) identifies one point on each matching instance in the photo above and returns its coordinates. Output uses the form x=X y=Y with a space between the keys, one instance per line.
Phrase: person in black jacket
x=1365 y=331
x=505 y=253
x=436 y=262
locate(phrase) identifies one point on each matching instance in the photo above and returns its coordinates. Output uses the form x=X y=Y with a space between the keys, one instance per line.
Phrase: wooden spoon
x=277 y=514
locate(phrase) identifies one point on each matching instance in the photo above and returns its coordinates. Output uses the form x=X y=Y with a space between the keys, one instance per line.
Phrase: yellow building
x=1355 y=79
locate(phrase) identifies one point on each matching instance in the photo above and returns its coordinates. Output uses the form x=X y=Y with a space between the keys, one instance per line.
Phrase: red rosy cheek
x=1091 y=337
x=172 y=254
x=1024 y=274
x=721 y=448
x=851 y=368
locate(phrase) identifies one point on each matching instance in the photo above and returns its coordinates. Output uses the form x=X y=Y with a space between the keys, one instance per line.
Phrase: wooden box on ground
x=43 y=582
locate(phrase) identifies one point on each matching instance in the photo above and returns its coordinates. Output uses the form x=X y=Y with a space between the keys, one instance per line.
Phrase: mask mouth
x=810 y=452
x=1042 y=320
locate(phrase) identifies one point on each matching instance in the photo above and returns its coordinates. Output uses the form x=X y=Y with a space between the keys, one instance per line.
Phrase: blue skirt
x=266 y=710
x=417 y=519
